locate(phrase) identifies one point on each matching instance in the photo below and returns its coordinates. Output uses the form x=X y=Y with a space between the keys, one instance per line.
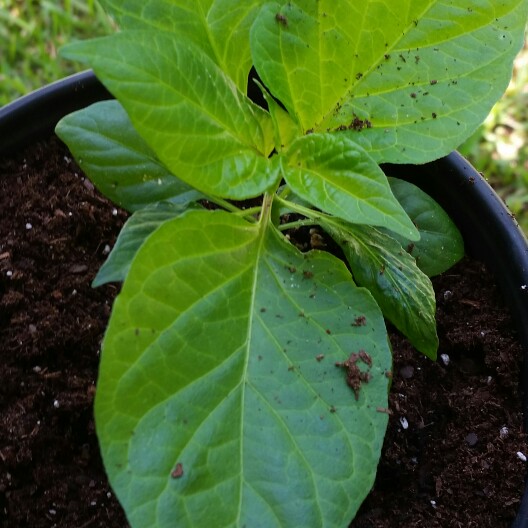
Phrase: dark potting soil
x=450 y=456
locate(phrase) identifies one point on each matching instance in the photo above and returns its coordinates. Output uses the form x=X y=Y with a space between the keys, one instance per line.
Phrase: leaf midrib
x=263 y=225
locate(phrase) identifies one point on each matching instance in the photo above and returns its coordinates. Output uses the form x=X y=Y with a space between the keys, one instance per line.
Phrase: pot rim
x=33 y=116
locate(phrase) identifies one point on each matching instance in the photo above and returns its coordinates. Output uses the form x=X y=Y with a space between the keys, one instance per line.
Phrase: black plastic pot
x=489 y=230
x=35 y=115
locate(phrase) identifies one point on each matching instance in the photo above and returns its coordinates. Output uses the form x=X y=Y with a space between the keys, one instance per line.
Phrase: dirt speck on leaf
x=354 y=375
x=177 y=472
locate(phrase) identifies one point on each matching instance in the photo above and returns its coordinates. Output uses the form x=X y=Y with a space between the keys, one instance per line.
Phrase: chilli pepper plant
x=243 y=382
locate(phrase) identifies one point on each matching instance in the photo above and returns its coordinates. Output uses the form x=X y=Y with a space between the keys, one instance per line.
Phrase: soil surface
x=450 y=456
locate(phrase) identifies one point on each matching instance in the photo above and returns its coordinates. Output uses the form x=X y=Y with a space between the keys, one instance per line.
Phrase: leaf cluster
x=219 y=400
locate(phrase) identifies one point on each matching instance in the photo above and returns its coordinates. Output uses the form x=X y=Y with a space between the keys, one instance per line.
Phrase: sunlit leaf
x=219 y=391
x=285 y=128
x=339 y=177
x=187 y=110
x=219 y=27
x=117 y=160
x=410 y=80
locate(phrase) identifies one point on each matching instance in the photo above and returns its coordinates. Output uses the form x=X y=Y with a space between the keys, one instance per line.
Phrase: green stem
x=249 y=212
x=285 y=192
x=298 y=223
x=267 y=202
x=228 y=206
x=313 y=216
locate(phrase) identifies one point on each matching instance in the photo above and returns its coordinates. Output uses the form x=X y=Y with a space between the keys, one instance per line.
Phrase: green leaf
x=213 y=407
x=299 y=65
x=441 y=245
x=219 y=27
x=117 y=160
x=187 y=110
x=404 y=293
x=132 y=236
x=286 y=130
x=339 y=177
x=411 y=80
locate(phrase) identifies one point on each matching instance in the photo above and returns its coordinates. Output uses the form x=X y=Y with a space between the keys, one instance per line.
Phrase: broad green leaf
x=410 y=80
x=441 y=245
x=117 y=160
x=132 y=236
x=339 y=177
x=219 y=27
x=404 y=293
x=218 y=401
x=189 y=113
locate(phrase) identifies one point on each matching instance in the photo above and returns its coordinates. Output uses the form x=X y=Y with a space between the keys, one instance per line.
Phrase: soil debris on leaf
x=360 y=320
x=177 y=472
x=281 y=19
x=354 y=375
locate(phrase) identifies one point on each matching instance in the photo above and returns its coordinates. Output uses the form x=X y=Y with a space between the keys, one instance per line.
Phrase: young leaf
x=338 y=176
x=219 y=27
x=198 y=124
x=286 y=130
x=404 y=294
x=301 y=57
x=441 y=245
x=218 y=402
x=411 y=81
x=133 y=234
x=117 y=160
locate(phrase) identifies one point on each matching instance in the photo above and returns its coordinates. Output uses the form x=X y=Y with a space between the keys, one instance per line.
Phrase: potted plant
x=206 y=383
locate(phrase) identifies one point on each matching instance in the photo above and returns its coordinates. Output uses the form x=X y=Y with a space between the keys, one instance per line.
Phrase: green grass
x=31 y=32
x=499 y=149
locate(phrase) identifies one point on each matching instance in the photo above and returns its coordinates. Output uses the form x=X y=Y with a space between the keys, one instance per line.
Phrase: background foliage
x=31 y=32
x=499 y=149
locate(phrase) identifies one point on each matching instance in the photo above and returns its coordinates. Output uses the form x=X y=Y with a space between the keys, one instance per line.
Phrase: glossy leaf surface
x=219 y=402
x=404 y=293
x=187 y=110
x=339 y=177
x=243 y=383
x=441 y=244
x=117 y=160
x=219 y=27
x=410 y=80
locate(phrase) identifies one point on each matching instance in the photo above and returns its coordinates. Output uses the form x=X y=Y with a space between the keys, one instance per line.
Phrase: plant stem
x=267 y=202
x=228 y=206
x=310 y=214
x=249 y=212
x=285 y=192
x=298 y=223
